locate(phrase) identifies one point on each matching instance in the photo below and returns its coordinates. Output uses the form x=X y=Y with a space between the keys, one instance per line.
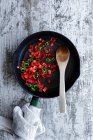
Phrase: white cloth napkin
x=26 y=123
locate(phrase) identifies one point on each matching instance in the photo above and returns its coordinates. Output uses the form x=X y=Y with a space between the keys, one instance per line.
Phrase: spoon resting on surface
x=62 y=57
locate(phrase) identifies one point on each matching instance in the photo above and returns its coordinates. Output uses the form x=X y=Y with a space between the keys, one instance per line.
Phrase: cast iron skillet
x=72 y=70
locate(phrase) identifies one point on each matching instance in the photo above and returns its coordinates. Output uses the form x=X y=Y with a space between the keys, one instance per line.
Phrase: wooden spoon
x=62 y=57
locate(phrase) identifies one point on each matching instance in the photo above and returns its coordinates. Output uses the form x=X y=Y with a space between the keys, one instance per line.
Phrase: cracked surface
x=74 y=19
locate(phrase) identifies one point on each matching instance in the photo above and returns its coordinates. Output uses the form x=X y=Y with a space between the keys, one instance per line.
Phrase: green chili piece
x=44 y=70
x=35 y=86
x=31 y=59
x=40 y=48
x=36 y=74
x=33 y=89
x=26 y=63
x=23 y=69
x=43 y=46
x=46 y=51
x=48 y=60
x=29 y=85
x=47 y=43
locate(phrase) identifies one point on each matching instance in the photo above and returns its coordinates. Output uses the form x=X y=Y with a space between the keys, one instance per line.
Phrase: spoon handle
x=62 y=98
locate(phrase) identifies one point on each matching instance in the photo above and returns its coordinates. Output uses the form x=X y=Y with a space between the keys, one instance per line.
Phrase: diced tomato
x=34 y=67
x=26 y=76
x=30 y=76
x=31 y=55
x=31 y=81
x=45 y=89
x=53 y=66
x=44 y=65
x=38 y=65
x=39 y=44
x=52 y=41
x=40 y=86
x=22 y=75
x=33 y=63
x=48 y=55
x=27 y=69
x=31 y=69
x=39 y=54
x=48 y=65
x=36 y=48
x=30 y=48
x=49 y=71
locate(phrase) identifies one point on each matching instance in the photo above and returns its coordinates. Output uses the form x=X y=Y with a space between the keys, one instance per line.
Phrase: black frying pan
x=72 y=70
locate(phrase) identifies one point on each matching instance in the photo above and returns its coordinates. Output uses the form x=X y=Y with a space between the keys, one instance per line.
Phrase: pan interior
x=72 y=70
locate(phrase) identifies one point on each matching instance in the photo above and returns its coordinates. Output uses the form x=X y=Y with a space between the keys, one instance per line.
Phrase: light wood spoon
x=62 y=57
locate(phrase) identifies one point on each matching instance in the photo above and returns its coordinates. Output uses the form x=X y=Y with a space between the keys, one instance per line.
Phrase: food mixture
x=39 y=65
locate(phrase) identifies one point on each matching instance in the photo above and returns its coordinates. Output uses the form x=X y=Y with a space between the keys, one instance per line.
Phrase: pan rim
x=51 y=33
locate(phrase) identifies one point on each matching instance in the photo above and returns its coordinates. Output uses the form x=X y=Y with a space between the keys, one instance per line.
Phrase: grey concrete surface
x=72 y=18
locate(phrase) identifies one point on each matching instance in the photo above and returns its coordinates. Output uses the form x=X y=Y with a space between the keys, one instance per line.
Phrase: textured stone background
x=72 y=18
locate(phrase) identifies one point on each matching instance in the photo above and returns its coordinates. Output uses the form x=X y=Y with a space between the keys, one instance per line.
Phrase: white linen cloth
x=26 y=123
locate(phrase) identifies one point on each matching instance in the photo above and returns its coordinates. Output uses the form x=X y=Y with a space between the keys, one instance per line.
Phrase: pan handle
x=34 y=101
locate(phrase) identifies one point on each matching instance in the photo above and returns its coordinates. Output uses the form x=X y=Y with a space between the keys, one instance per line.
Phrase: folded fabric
x=26 y=123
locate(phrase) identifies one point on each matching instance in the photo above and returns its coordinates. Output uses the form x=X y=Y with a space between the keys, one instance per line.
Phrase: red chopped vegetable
x=45 y=89
x=52 y=41
x=38 y=65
